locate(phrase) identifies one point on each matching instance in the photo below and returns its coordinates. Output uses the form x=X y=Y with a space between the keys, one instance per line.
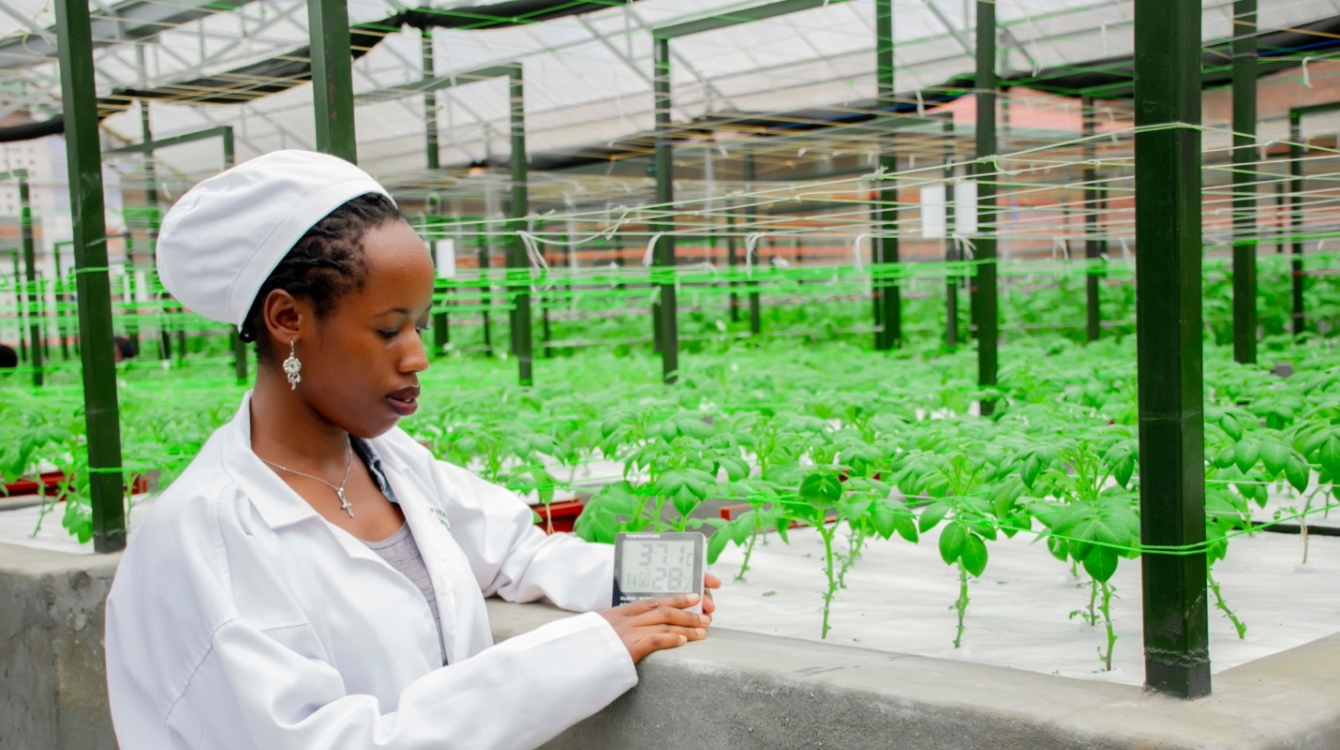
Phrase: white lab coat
x=241 y=619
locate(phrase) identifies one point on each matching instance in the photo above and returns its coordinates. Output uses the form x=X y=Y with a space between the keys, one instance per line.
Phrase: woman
x=315 y=579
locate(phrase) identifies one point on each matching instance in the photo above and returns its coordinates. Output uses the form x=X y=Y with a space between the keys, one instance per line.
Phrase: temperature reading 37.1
x=657 y=565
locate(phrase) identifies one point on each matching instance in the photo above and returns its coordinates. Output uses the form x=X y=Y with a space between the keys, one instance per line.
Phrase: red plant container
x=50 y=485
x=563 y=514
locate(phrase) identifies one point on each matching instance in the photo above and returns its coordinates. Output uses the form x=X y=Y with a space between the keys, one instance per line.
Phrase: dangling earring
x=293 y=368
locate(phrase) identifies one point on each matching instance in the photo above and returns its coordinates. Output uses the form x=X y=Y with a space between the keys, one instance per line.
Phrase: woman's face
x=361 y=364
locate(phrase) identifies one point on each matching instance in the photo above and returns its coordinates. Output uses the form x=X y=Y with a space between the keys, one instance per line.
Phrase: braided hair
x=324 y=265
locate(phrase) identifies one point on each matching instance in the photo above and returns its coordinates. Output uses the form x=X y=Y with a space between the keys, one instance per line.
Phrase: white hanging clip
x=856 y=251
x=750 y=248
x=651 y=247
x=1307 y=80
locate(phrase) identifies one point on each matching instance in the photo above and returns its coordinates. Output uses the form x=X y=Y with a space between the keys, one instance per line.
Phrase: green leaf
x=1328 y=454
x=974 y=555
x=932 y=515
x=883 y=519
x=1101 y=563
x=854 y=508
x=1232 y=426
x=736 y=469
x=952 y=540
x=1297 y=471
x=1274 y=455
x=715 y=544
x=821 y=488
x=1225 y=457
x=1245 y=455
x=742 y=527
x=906 y=526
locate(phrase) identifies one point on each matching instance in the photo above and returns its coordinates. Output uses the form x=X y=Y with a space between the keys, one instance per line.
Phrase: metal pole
x=441 y=324
x=663 y=255
x=889 y=335
x=151 y=229
x=239 y=346
x=751 y=221
x=1169 y=333
x=1244 y=181
x=951 y=250
x=485 y=285
x=1296 y=219
x=430 y=101
x=35 y=319
x=1092 y=246
x=101 y=410
x=332 y=78
x=61 y=299
x=517 y=262
x=984 y=303
x=18 y=297
x=731 y=262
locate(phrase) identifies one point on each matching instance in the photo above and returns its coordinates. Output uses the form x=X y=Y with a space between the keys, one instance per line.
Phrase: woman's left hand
x=709 y=582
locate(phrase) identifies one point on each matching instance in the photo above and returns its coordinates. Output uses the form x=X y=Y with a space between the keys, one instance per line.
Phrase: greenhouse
x=977 y=358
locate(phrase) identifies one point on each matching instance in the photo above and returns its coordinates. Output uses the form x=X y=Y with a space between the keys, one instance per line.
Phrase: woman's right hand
x=656 y=624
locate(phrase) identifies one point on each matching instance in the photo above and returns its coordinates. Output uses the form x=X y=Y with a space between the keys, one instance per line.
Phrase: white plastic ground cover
x=899 y=596
x=17 y=526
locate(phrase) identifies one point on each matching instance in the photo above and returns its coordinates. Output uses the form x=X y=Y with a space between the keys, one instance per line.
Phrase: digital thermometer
x=650 y=564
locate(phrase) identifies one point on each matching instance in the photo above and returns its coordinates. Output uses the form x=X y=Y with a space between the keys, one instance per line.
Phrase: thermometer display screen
x=658 y=565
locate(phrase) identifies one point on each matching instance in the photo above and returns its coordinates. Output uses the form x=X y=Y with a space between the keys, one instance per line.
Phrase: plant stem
x=748 y=550
x=1093 y=597
x=1219 y=602
x=828 y=570
x=962 y=604
x=1302 y=525
x=1108 y=590
x=855 y=541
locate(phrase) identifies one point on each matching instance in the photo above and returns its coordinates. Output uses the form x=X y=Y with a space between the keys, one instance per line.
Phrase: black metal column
x=663 y=256
x=84 y=159
x=332 y=78
x=429 y=101
x=1092 y=245
x=1244 y=181
x=1169 y=333
x=239 y=346
x=984 y=297
x=36 y=320
x=731 y=263
x=518 y=265
x=751 y=226
x=1296 y=221
x=951 y=245
x=889 y=334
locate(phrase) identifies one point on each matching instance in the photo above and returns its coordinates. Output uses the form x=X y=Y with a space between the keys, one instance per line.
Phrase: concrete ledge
x=735 y=690
x=53 y=688
x=740 y=690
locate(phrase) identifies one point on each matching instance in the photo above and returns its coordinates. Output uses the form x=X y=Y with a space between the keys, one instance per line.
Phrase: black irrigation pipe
x=1294 y=528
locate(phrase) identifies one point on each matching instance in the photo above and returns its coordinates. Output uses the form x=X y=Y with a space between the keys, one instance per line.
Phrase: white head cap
x=220 y=242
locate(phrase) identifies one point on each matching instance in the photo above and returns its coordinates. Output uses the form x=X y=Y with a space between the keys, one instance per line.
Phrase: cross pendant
x=344 y=503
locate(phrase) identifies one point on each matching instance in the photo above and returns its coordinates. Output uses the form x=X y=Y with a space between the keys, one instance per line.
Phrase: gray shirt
x=400 y=550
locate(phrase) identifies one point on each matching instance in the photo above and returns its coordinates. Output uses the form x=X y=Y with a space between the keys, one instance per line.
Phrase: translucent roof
x=588 y=77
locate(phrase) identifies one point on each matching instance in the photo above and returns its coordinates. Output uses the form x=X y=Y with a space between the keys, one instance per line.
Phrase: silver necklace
x=344 y=502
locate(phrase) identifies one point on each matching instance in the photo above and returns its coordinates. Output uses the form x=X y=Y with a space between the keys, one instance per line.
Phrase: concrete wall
x=744 y=691
x=735 y=690
x=53 y=693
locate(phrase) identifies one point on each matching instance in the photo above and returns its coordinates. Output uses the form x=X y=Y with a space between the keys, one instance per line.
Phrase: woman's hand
x=710 y=582
x=657 y=624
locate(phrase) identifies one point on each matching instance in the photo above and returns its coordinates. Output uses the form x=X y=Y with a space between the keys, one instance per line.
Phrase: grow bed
x=899 y=598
